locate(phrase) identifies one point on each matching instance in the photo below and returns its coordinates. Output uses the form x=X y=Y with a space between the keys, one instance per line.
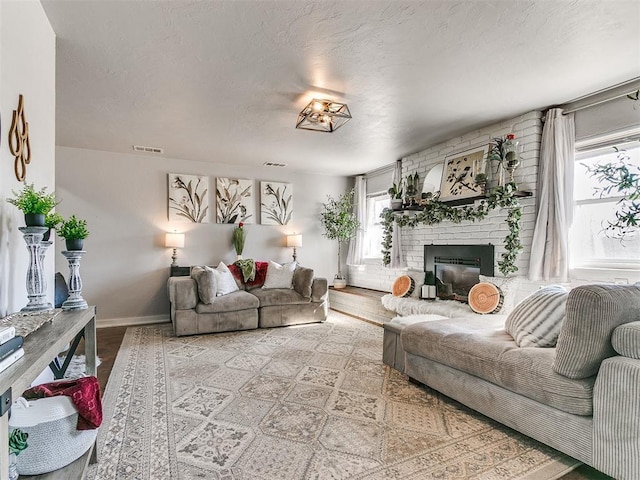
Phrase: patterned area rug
x=306 y=402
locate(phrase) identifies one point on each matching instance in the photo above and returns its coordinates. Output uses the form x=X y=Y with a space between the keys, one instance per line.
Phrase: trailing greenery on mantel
x=435 y=212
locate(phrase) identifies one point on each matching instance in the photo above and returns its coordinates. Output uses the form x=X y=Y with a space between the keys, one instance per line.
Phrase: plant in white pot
x=339 y=223
x=396 y=194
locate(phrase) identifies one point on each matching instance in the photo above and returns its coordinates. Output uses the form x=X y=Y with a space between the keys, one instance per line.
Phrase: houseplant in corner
x=340 y=223
x=35 y=204
x=74 y=231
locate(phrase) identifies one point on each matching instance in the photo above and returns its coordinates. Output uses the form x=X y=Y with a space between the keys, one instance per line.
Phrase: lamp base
x=174 y=257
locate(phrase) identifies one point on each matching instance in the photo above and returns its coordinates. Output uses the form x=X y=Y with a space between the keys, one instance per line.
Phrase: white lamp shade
x=174 y=240
x=294 y=240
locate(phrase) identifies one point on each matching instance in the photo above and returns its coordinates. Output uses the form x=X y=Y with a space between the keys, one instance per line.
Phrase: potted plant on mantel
x=340 y=223
x=396 y=196
x=35 y=204
x=74 y=231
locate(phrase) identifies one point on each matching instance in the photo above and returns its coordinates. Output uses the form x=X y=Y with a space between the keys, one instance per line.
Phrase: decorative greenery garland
x=435 y=212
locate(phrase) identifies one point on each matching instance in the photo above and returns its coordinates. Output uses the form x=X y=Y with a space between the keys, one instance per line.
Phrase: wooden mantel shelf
x=464 y=201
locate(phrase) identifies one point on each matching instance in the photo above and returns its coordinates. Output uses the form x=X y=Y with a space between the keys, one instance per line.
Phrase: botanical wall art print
x=276 y=203
x=188 y=198
x=234 y=201
x=458 y=175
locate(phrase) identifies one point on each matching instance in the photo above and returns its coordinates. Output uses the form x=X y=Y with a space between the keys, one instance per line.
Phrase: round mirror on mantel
x=433 y=179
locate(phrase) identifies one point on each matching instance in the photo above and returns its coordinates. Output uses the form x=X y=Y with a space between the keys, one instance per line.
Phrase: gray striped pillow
x=537 y=320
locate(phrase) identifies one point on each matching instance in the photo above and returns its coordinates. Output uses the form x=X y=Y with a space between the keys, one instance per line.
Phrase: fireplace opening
x=457 y=268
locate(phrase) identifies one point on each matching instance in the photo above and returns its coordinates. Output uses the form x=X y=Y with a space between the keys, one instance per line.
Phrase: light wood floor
x=110 y=339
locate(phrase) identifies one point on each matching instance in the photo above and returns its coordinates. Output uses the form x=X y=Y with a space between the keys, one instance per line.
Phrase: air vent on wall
x=274 y=164
x=139 y=148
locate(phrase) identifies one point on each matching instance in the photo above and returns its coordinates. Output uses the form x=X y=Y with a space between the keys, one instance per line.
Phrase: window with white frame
x=590 y=244
x=373 y=233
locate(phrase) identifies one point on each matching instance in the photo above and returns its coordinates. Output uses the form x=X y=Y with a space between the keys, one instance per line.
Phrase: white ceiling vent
x=139 y=148
x=274 y=164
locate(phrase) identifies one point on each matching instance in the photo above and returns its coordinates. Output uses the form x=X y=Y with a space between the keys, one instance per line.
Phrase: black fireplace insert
x=457 y=268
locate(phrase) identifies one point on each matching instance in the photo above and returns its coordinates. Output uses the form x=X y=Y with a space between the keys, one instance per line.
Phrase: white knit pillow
x=225 y=283
x=537 y=320
x=279 y=276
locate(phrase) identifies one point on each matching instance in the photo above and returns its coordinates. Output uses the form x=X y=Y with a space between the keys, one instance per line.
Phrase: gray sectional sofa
x=250 y=307
x=581 y=397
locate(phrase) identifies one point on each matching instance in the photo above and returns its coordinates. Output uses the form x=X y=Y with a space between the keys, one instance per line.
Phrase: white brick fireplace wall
x=493 y=229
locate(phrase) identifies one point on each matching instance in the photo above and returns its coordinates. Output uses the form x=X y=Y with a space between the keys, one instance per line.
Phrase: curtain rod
x=602 y=96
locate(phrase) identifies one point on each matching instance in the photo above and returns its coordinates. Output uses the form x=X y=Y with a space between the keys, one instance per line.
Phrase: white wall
x=124 y=200
x=493 y=229
x=27 y=67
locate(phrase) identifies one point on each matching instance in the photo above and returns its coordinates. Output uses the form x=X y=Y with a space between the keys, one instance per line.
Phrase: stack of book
x=10 y=347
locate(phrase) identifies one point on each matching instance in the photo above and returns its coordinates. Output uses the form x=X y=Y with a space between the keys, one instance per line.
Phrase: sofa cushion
x=279 y=276
x=270 y=297
x=303 y=280
x=206 y=280
x=593 y=313
x=225 y=283
x=536 y=320
x=238 y=300
x=626 y=340
x=480 y=346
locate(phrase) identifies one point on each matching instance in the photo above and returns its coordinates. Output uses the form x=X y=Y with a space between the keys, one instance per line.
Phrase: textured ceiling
x=223 y=81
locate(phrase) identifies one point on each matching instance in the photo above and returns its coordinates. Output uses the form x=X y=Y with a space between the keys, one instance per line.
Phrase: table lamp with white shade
x=174 y=240
x=295 y=241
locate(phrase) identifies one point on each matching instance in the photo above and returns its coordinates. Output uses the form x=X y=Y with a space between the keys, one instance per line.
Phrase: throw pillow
x=302 y=281
x=224 y=280
x=418 y=279
x=509 y=288
x=537 y=320
x=206 y=282
x=279 y=276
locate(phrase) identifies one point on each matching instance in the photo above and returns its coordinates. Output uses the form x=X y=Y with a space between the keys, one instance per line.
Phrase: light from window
x=373 y=233
x=590 y=245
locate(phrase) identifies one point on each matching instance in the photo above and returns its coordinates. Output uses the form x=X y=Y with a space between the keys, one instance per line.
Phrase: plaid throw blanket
x=248 y=268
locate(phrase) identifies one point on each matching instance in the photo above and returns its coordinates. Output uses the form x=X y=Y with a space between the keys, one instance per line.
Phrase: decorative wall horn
x=19 y=141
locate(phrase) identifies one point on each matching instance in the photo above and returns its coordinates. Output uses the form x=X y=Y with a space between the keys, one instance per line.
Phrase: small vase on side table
x=75 y=300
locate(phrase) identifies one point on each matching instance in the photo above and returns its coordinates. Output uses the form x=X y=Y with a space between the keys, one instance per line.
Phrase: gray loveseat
x=250 y=307
x=582 y=397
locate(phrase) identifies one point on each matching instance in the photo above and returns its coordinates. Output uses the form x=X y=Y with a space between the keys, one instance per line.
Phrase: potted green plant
x=239 y=236
x=621 y=178
x=35 y=204
x=412 y=187
x=51 y=220
x=396 y=196
x=74 y=231
x=340 y=223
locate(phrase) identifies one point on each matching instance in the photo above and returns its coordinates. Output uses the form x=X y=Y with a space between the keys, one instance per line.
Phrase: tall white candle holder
x=36 y=282
x=75 y=300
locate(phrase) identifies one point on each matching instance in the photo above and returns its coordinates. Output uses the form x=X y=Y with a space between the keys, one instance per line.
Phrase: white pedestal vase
x=36 y=283
x=75 y=300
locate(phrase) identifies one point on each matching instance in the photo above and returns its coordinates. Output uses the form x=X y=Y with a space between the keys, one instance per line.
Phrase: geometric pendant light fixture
x=323 y=116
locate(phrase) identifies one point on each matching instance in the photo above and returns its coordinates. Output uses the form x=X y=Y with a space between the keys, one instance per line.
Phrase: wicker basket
x=53 y=440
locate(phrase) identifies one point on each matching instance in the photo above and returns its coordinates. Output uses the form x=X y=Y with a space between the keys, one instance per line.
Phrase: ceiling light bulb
x=317 y=106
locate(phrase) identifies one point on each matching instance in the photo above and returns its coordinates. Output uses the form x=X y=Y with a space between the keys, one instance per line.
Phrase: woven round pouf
x=485 y=297
x=403 y=286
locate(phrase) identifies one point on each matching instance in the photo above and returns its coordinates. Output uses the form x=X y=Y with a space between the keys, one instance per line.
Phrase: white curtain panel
x=550 y=247
x=397 y=261
x=355 y=255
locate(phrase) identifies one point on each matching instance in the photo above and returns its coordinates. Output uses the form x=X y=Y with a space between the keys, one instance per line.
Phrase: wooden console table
x=40 y=348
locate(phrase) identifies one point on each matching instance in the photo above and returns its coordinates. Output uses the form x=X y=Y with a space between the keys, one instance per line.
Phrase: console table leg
x=4 y=447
